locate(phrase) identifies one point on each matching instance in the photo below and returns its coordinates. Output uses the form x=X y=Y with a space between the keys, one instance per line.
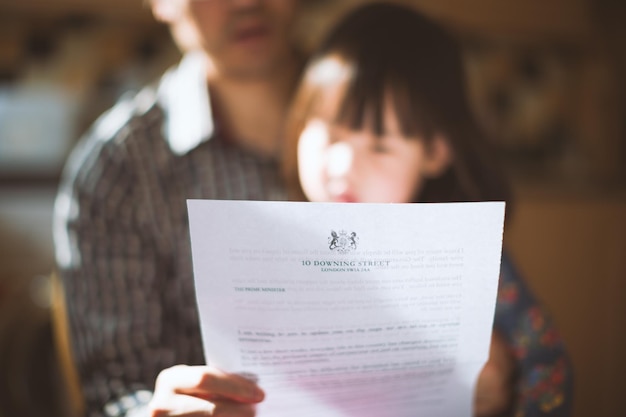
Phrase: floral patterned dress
x=545 y=379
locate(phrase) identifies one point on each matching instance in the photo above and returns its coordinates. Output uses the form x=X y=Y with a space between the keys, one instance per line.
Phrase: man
x=209 y=129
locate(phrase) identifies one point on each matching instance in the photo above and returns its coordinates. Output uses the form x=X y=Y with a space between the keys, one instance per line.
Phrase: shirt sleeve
x=545 y=379
x=111 y=272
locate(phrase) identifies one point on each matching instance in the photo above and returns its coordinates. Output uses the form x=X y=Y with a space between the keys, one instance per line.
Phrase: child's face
x=342 y=165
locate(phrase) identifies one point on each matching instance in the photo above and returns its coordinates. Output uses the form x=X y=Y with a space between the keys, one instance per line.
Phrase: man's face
x=244 y=38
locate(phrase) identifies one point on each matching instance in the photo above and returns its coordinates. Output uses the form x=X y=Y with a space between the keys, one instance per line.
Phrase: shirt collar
x=184 y=96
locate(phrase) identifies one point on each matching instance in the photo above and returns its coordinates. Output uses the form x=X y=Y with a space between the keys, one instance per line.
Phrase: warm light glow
x=329 y=71
x=339 y=159
x=313 y=141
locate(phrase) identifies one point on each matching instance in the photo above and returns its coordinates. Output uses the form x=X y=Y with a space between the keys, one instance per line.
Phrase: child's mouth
x=344 y=198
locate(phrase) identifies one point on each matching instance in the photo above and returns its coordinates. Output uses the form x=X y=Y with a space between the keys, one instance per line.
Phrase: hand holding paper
x=202 y=390
x=349 y=309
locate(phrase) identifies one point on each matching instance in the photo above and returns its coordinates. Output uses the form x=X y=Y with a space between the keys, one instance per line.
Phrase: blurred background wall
x=546 y=80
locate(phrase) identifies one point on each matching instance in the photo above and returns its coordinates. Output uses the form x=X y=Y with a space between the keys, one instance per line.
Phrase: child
x=382 y=116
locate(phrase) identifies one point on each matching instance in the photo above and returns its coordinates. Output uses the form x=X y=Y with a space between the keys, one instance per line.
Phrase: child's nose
x=339 y=159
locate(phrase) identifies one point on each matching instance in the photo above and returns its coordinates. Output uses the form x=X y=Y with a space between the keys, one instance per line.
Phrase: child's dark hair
x=393 y=50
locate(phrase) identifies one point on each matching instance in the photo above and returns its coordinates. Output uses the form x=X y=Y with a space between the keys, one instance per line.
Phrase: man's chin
x=251 y=69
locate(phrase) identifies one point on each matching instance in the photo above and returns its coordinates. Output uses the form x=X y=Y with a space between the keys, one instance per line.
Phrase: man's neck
x=254 y=109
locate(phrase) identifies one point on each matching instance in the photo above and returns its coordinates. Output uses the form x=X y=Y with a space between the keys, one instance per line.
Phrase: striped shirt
x=122 y=238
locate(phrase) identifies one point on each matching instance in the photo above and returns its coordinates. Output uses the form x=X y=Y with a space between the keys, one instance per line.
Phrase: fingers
x=210 y=383
x=188 y=406
x=179 y=405
x=493 y=393
x=500 y=354
x=203 y=391
x=494 y=388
